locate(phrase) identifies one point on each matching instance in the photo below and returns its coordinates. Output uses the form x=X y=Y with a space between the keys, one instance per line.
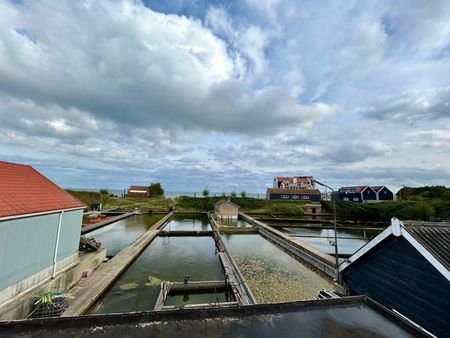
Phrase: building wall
x=227 y=210
x=369 y=194
x=352 y=197
x=27 y=244
x=396 y=275
x=385 y=195
x=296 y=197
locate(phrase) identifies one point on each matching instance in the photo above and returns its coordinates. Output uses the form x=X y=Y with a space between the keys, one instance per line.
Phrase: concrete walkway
x=237 y=282
x=89 y=290
x=101 y=224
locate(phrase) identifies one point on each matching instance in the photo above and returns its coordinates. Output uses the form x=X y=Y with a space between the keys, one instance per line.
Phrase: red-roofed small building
x=40 y=226
x=296 y=182
x=138 y=191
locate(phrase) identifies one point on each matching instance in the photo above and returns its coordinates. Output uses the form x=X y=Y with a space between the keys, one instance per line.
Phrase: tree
x=156 y=190
x=243 y=194
x=224 y=195
x=205 y=192
x=104 y=191
x=233 y=194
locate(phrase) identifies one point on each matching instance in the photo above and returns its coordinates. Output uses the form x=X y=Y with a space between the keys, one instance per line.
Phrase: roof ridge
x=15 y=164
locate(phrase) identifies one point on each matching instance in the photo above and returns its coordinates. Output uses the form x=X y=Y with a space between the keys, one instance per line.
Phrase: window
x=295 y=197
x=356 y=199
x=285 y=197
x=345 y=198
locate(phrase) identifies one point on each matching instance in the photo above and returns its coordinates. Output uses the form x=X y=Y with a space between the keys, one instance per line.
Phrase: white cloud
x=349 y=91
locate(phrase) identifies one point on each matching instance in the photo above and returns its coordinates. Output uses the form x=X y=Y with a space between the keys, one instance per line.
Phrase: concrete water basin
x=272 y=274
x=166 y=258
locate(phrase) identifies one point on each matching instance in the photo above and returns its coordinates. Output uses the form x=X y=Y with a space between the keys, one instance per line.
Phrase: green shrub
x=156 y=190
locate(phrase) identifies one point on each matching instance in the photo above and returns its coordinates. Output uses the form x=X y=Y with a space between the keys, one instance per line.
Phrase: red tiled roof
x=138 y=187
x=359 y=188
x=282 y=178
x=23 y=190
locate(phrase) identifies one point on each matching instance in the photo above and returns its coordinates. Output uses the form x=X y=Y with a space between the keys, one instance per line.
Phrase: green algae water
x=187 y=222
x=272 y=274
x=240 y=223
x=200 y=298
x=166 y=258
x=116 y=236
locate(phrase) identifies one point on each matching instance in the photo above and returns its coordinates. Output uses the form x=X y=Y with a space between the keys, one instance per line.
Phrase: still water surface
x=240 y=223
x=349 y=241
x=116 y=236
x=187 y=222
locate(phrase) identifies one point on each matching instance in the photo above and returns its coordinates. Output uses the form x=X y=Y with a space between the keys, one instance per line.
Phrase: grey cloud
x=352 y=152
x=145 y=69
x=413 y=106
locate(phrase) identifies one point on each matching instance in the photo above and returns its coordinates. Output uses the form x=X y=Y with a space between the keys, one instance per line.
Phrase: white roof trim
x=426 y=254
x=365 y=248
x=397 y=229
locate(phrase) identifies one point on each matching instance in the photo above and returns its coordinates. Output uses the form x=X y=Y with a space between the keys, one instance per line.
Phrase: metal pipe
x=58 y=232
x=335 y=228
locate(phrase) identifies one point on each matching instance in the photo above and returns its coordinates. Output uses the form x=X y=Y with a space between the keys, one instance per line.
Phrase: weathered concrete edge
x=46 y=325
x=87 y=292
x=227 y=261
x=320 y=260
x=238 y=230
x=173 y=233
x=101 y=224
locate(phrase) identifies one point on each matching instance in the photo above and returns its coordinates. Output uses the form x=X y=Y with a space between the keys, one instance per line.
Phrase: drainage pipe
x=58 y=232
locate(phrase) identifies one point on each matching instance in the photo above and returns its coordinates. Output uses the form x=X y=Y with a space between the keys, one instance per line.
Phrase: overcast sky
x=226 y=95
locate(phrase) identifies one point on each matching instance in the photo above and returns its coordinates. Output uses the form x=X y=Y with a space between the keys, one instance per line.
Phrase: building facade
x=362 y=193
x=138 y=191
x=40 y=226
x=225 y=209
x=383 y=193
x=296 y=182
x=406 y=268
x=309 y=195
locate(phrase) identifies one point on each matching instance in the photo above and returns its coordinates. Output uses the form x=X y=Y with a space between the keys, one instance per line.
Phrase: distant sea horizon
x=171 y=194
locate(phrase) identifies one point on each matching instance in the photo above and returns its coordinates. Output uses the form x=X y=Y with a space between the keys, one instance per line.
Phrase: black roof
x=340 y=317
x=435 y=238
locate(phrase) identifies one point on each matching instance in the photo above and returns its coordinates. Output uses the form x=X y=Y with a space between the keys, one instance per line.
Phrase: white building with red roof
x=40 y=226
x=295 y=182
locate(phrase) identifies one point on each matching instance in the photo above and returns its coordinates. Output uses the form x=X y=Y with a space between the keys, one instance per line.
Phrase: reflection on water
x=235 y=223
x=167 y=258
x=115 y=236
x=272 y=274
x=349 y=241
x=188 y=222
x=200 y=298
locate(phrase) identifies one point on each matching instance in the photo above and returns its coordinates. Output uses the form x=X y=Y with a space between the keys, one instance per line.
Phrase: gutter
x=58 y=232
x=5 y=218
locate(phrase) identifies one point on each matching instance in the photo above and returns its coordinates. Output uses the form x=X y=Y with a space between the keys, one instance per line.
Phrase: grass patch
x=404 y=210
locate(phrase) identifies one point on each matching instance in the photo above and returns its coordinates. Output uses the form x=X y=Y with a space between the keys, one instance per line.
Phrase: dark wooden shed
x=406 y=268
